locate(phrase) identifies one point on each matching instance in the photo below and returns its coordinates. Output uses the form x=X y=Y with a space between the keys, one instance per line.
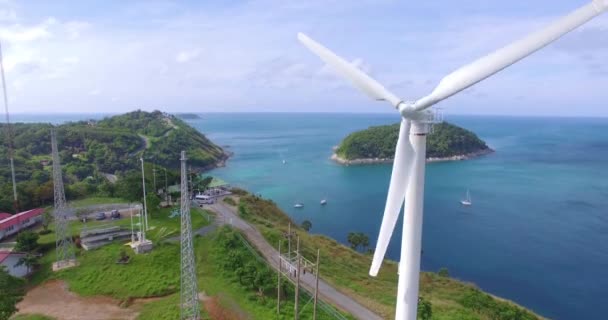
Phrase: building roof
x=217 y=182
x=6 y=254
x=21 y=216
x=4 y=215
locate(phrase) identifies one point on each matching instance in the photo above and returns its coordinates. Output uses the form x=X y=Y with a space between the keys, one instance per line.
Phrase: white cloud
x=187 y=55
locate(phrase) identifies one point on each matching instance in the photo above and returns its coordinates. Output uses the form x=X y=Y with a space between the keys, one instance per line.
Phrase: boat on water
x=467 y=201
x=284 y=161
x=323 y=202
x=298 y=205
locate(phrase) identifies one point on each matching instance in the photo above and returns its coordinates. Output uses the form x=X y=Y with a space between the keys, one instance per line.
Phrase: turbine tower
x=9 y=136
x=189 y=304
x=407 y=178
x=63 y=239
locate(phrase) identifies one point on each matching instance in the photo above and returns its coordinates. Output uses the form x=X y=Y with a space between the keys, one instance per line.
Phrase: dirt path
x=54 y=299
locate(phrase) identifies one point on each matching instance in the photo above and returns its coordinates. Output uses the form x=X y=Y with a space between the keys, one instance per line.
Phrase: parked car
x=114 y=214
x=100 y=216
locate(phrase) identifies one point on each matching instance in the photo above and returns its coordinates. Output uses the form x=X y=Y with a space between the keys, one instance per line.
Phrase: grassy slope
x=157 y=274
x=348 y=269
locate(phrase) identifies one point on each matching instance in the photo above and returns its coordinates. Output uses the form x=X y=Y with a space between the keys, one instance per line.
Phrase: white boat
x=323 y=202
x=467 y=201
x=284 y=161
x=298 y=205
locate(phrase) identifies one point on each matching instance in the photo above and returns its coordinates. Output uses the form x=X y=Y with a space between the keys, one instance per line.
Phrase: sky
x=243 y=56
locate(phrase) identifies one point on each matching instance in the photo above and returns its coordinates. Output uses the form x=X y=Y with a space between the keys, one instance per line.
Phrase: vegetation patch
x=32 y=317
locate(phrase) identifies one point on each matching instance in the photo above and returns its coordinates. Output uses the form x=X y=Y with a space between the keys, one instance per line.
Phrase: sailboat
x=467 y=201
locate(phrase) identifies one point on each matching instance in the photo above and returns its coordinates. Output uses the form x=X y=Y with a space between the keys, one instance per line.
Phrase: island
x=446 y=142
x=188 y=116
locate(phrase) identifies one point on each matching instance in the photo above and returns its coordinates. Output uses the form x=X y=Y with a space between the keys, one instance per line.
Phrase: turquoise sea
x=537 y=232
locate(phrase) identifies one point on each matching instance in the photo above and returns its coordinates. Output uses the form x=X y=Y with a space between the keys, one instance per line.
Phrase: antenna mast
x=9 y=134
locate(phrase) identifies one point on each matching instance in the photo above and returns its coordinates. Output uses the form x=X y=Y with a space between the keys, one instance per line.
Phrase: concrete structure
x=99 y=237
x=12 y=224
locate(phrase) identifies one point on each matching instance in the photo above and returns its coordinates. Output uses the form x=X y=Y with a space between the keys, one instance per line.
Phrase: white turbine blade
x=396 y=194
x=361 y=80
x=484 y=67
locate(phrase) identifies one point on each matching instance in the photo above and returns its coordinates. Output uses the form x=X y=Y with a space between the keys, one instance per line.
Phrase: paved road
x=326 y=292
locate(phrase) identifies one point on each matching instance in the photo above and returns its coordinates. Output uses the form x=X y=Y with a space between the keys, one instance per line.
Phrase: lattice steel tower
x=61 y=214
x=189 y=304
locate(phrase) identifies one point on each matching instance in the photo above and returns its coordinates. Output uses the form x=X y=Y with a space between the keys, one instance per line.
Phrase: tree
x=108 y=188
x=306 y=225
x=12 y=292
x=425 y=309
x=47 y=217
x=152 y=201
x=129 y=186
x=28 y=260
x=27 y=241
x=356 y=239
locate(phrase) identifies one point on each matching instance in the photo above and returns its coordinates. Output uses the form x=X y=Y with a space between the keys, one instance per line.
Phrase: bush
x=27 y=241
x=230 y=201
x=443 y=272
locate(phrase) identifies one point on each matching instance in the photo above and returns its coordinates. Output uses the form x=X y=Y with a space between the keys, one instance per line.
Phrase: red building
x=11 y=224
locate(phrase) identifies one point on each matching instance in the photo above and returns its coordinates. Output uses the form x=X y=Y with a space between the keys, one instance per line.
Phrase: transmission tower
x=9 y=136
x=63 y=240
x=189 y=305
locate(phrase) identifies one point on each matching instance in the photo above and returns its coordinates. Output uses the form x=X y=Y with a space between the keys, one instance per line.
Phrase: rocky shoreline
x=365 y=161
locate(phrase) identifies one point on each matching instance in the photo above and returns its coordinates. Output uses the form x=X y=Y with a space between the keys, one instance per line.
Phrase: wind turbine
x=407 y=178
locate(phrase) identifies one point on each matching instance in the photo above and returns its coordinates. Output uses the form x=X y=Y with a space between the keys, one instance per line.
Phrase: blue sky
x=224 y=56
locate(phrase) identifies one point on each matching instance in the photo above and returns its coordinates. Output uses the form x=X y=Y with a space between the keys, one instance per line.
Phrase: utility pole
x=314 y=307
x=279 y=282
x=64 y=247
x=9 y=136
x=143 y=185
x=154 y=177
x=289 y=243
x=166 y=188
x=189 y=304
x=296 y=309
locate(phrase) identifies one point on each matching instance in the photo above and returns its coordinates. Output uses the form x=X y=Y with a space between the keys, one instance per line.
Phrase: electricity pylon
x=189 y=304
x=63 y=240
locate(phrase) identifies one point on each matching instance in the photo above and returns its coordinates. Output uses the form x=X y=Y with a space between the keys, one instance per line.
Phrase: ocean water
x=538 y=227
x=536 y=233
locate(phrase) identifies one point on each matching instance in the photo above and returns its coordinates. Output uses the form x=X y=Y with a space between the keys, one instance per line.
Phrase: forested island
x=93 y=152
x=377 y=145
x=188 y=116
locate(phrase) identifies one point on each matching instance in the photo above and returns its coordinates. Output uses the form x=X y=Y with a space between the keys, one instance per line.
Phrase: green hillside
x=90 y=150
x=446 y=140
